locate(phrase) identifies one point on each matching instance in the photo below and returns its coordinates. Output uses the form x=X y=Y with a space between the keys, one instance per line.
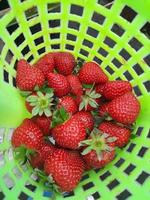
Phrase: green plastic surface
x=124 y=55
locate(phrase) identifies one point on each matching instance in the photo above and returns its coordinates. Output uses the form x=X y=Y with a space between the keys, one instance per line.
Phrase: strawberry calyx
x=87 y=86
x=107 y=117
x=22 y=154
x=41 y=103
x=99 y=142
x=25 y=93
x=89 y=98
x=128 y=126
x=59 y=117
x=43 y=89
x=79 y=64
x=49 y=181
x=99 y=119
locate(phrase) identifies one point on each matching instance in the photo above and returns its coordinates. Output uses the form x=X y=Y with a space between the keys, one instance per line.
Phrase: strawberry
x=92 y=159
x=37 y=160
x=64 y=62
x=86 y=118
x=103 y=109
x=59 y=83
x=92 y=73
x=87 y=166
x=39 y=103
x=125 y=108
x=28 y=106
x=99 y=88
x=65 y=167
x=78 y=100
x=115 y=89
x=90 y=100
x=44 y=123
x=46 y=64
x=98 y=149
x=28 y=77
x=113 y=130
x=27 y=134
x=69 y=134
x=68 y=103
x=75 y=85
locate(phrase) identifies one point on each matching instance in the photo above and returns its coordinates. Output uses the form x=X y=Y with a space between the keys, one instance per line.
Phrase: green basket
x=113 y=35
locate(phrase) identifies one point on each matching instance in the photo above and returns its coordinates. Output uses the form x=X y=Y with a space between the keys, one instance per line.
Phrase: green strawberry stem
x=106 y=117
x=25 y=93
x=48 y=181
x=59 y=117
x=41 y=103
x=98 y=142
x=78 y=66
x=87 y=86
x=129 y=126
x=44 y=89
x=95 y=112
x=22 y=154
x=89 y=99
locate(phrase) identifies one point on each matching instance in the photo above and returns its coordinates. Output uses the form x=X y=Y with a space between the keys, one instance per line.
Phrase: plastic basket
x=106 y=34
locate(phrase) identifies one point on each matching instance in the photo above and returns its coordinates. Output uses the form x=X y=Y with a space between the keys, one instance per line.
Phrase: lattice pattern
x=92 y=31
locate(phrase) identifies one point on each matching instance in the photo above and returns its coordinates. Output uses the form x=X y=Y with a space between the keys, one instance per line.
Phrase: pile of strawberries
x=79 y=117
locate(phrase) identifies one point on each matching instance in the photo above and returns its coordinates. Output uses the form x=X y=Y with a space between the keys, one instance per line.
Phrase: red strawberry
x=86 y=118
x=27 y=134
x=100 y=88
x=121 y=133
x=65 y=167
x=69 y=134
x=92 y=159
x=64 y=62
x=28 y=77
x=125 y=108
x=46 y=64
x=98 y=151
x=92 y=73
x=75 y=85
x=37 y=160
x=78 y=100
x=87 y=167
x=115 y=89
x=39 y=103
x=59 y=83
x=28 y=106
x=103 y=109
x=68 y=103
x=44 y=123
